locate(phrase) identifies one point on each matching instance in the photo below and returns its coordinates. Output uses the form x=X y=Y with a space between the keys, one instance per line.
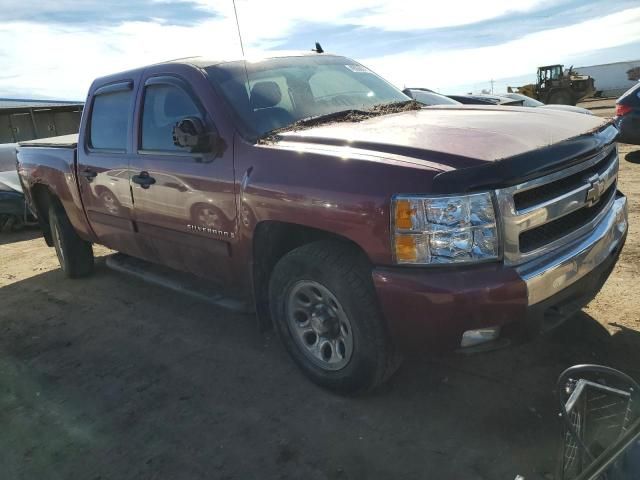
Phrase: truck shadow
x=633 y=157
x=27 y=233
x=109 y=375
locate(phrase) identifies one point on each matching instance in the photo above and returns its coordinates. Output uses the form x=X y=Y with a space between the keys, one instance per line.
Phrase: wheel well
x=272 y=241
x=42 y=198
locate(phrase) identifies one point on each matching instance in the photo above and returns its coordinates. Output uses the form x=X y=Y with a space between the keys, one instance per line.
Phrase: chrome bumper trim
x=549 y=274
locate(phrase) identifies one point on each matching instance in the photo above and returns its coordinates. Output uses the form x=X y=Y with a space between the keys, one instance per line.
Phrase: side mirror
x=190 y=133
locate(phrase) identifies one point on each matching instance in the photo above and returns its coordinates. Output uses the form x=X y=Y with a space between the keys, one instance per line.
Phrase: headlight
x=444 y=229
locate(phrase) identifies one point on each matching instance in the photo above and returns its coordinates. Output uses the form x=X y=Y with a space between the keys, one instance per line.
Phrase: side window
x=163 y=106
x=110 y=120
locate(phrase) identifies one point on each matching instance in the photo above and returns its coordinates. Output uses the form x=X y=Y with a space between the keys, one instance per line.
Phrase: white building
x=613 y=79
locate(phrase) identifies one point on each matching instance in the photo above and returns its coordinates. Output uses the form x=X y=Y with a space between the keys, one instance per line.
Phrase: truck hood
x=451 y=137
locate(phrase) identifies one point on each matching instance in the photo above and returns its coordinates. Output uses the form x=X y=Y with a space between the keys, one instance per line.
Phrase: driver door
x=184 y=202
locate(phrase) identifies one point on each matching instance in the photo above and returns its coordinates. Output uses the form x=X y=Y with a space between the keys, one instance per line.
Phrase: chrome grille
x=546 y=213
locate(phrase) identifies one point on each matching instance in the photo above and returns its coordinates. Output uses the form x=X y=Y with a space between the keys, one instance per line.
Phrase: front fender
x=346 y=196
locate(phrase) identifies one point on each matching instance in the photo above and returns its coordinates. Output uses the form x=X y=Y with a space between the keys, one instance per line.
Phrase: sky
x=54 y=49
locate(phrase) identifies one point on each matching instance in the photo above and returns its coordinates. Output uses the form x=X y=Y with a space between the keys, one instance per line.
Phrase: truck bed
x=63 y=141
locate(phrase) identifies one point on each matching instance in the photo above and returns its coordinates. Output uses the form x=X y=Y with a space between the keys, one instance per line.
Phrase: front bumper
x=432 y=308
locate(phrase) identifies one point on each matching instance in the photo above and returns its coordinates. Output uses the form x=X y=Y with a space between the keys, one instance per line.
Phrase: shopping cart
x=600 y=409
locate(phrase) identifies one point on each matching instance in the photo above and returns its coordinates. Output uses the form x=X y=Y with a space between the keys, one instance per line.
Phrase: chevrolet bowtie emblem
x=595 y=191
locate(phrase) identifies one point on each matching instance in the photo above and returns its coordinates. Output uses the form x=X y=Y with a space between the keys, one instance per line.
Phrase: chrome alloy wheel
x=319 y=325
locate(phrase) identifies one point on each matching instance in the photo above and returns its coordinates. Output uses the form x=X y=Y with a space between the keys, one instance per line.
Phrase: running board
x=180 y=282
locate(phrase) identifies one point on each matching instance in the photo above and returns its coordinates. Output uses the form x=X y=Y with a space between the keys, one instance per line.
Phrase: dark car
x=485 y=99
x=7 y=156
x=429 y=97
x=531 y=102
x=628 y=115
x=515 y=100
x=14 y=212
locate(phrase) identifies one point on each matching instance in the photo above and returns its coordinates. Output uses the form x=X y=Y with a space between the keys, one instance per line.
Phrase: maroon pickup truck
x=358 y=223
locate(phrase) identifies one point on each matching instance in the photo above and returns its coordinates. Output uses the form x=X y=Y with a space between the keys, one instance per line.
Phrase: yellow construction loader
x=556 y=86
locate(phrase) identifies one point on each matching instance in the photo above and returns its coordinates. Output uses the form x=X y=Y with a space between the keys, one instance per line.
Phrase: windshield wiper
x=349 y=115
x=391 y=105
x=330 y=117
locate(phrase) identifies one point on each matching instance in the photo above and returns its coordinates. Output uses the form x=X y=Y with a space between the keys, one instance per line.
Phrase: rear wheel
x=325 y=310
x=74 y=254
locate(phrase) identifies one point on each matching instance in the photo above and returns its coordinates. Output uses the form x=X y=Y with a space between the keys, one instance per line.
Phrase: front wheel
x=325 y=310
x=74 y=254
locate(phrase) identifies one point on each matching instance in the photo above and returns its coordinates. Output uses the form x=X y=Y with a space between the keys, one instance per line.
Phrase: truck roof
x=202 y=62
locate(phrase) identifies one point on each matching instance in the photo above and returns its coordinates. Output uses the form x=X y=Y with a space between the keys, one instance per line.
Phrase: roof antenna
x=318 y=48
x=235 y=11
x=244 y=59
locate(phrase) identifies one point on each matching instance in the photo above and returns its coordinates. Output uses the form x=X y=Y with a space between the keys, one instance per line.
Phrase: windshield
x=282 y=91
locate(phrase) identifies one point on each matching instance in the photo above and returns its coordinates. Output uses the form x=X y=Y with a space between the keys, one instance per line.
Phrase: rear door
x=187 y=214
x=103 y=166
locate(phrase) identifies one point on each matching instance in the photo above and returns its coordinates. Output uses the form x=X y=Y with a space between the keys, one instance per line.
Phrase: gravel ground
x=111 y=378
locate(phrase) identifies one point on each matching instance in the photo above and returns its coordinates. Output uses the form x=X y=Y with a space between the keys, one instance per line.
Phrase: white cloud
x=58 y=60
x=262 y=20
x=61 y=62
x=420 y=14
x=447 y=68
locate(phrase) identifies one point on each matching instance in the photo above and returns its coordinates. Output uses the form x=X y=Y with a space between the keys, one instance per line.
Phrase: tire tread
x=352 y=265
x=78 y=255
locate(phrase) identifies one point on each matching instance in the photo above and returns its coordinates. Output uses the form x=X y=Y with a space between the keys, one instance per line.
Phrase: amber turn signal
x=406 y=248
x=405 y=213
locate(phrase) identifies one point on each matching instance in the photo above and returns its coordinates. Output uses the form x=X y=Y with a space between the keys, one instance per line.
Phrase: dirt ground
x=112 y=378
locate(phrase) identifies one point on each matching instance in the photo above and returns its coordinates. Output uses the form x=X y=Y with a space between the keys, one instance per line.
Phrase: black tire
x=74 y=254
x=346 y=274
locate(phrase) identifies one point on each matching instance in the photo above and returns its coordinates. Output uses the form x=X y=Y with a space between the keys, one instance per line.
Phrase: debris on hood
x=342 y=116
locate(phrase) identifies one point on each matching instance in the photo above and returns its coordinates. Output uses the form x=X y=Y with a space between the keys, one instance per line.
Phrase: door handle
x=143 y=179
x=89 y=174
